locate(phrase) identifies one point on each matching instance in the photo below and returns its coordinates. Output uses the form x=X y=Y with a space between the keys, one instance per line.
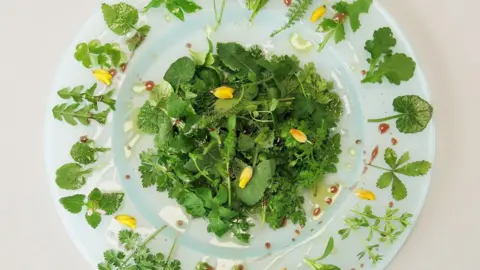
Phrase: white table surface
x=34 y=35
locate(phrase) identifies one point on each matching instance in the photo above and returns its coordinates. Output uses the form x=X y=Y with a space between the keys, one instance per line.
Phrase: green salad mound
x=239 y=134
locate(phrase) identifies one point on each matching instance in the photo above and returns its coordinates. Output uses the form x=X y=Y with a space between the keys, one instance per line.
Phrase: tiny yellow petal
x=245 y=176
x=103 y=76
x=223 y=92
x=298 y=135
x=318 y=13
x=365 y=194
x=127 y=220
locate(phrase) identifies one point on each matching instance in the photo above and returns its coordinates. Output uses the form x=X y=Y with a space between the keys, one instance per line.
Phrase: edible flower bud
x=245 y=176
x=223 y=92
x=318 y=13
x=365 y=194
x=127 y=220
x=298 y=135
x=103 y=76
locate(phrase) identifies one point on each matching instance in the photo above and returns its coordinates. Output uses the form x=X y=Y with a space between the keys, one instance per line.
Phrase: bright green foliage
x=317 y=265
x=71 y=176
x=255 y=6
x=134 y=42
x=97 y=204
x=140 y=256
x=390 y=178
x=204 y=143
x=86 y=152
x=78 y=95
x=121 y=18
x=345 y=12
x=396 y=67
x=295 y=13
x=384 y=229
x=94 y=54
x=176 y=7
x=71 y=113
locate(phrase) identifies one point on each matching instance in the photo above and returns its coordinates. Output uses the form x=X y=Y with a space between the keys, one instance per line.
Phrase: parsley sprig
x=385 y=229
x=140 y=257
x=398 y=166
x=335 y=28
x=97 y=204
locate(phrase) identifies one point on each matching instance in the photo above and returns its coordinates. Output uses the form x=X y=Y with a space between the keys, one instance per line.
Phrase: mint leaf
x=94 y=219
x=385 y=180
x=120 y=18
x=181 y=71
x=255 y=189
x=399 y=191
x=110 y=202
x=95 y=195
x=390 y=157
x=417 y=168
x=73 y=204
x=71 y=176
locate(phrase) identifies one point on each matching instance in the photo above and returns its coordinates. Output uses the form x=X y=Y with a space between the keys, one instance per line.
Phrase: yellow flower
x=245 y=176
x=223 y=92
x=103 y=76
x=127 y=220
x=365 y=194
x=299 y=136
x=318 y=13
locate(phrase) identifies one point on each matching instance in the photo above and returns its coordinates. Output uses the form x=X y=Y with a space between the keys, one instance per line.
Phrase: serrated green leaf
x=94 y=219
x=73 y=204
x=390 y=157
x=385 y=180
x=121 y=18
x=399 y=190
x=417 y=168
x=111 y=202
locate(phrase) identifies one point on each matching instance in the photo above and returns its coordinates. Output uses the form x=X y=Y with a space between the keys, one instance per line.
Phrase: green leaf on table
x=180 y=71
x=355 y=9
x=414 y=114
x=399 y=190
x=236 y=57
x=397 y=67
x=71 y=176
x=73 y=204
x=121 y=18
x=417 y=168
x=94 y=219
x=129 y=239
x=390 y=157
x=216 y=224
x=256 y=187
x=85 y=152
x=175 y=7
x=134 y=42
x=385 y=180
x=111 y=202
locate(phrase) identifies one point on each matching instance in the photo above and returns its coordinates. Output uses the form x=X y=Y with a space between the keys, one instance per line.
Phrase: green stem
x=229 y=184
x=201 y=171
x=171 y=250
x=326 y=39
x=364 y=243
x=374 y=166
x=218 y=18
x=259 y=82
x=255 y=156
x=144 y=243
x=384 y=119
x=301 y=85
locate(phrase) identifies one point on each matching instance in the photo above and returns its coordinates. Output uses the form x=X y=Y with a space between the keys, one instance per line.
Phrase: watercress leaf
x=71 y=176
x=399 y=190
x=416 y=113
x=236 y=58
x=340 y=33
x=255 y=189
x=73 y=204
x=111 y=202
x=385 y=180
x=94 y=219
x=390 y=157
x=417 y=168
x=216 y=224
x=193 y=204
x=404 y=158
x=245 y=143
x=355 y=9
x=382 y=43
x=121 y=18
x=181 y=71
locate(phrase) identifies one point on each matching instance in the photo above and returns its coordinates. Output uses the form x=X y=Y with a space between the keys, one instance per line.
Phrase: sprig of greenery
x=345 y=12
x=255 y=6
x=295 y=13
x=398 y=166
x=121 y=18
x=71 y=113
x=396 y=67
x=414 y=114
x=316 y=265
x=140 y=257
x=85 y=152
x=78 y=95
x=134 y=42
x=94 y=54
x=175 y=7
x=71 y=176
x=218 y=13
x=97 y=204
x=387 y=228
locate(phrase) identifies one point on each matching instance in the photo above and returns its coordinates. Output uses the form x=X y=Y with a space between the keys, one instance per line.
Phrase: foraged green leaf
x=235 y=57
x=94 y=219
x=417 y=168
x=181 y=71
x=355 y=9
x=255 y=189
x=385 y=180
x=149 y=118
x=245 y=143
x=193 y=205
x=73 y=204
x=111 y=202
x=121 y=18
x=399 y=190
x=390 y=157
x=71 y=176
